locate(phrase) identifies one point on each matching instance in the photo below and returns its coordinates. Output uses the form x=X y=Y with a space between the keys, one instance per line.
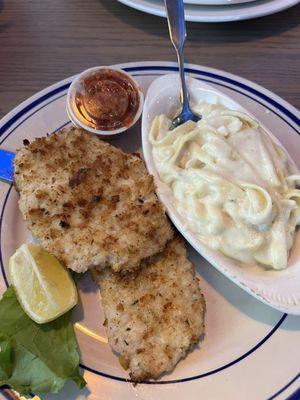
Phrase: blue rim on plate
x=226 y=82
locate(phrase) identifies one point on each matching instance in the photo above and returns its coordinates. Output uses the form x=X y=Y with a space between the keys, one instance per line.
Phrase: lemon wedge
x=45 y=288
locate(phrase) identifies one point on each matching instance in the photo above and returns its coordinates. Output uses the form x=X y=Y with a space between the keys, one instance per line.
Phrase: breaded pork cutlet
x=153 y=316
x=89 y=203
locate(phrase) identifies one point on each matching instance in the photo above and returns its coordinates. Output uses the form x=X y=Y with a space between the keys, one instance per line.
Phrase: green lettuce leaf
x=6 y=357
x=36 y=358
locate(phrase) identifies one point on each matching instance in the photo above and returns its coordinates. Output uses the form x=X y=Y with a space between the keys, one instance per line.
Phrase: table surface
x=42 y=42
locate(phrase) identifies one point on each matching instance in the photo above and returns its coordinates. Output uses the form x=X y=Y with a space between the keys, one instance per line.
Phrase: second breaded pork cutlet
x=89 y=203
x=154 y=316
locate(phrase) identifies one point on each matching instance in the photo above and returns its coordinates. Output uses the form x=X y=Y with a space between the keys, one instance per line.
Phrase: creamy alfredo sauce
x=231 y=183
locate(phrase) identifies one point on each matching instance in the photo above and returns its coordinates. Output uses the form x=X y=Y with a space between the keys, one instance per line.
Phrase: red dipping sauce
x=107 y=100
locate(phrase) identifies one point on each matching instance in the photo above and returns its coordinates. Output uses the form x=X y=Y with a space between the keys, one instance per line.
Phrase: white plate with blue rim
x=250 y=351
x=213 y=12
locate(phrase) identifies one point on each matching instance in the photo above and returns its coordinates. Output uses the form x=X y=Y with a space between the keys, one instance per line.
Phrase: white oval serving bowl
x=71 y=100
x=278 y=289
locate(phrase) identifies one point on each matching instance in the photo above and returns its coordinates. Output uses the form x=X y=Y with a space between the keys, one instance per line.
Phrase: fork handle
x=176 y=23
x=177 y=32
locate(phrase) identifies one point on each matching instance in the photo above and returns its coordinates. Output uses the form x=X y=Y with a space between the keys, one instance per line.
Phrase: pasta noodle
x=231 y=183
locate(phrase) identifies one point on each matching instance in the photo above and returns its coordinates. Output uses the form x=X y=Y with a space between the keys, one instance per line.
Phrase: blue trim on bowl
x=290 y=115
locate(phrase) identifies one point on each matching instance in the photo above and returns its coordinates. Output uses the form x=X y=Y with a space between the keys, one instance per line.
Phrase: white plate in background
x=250 y=352
x=216 y=2
x=205 y=13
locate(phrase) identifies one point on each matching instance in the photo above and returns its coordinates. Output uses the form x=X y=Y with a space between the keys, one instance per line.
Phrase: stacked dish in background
x=216 y=10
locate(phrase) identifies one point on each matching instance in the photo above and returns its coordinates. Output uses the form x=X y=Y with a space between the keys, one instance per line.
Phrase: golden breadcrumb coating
x=153 y=316
x=89 y=203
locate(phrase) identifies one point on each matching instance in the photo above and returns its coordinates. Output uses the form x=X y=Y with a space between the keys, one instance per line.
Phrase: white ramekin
x=71 y=102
